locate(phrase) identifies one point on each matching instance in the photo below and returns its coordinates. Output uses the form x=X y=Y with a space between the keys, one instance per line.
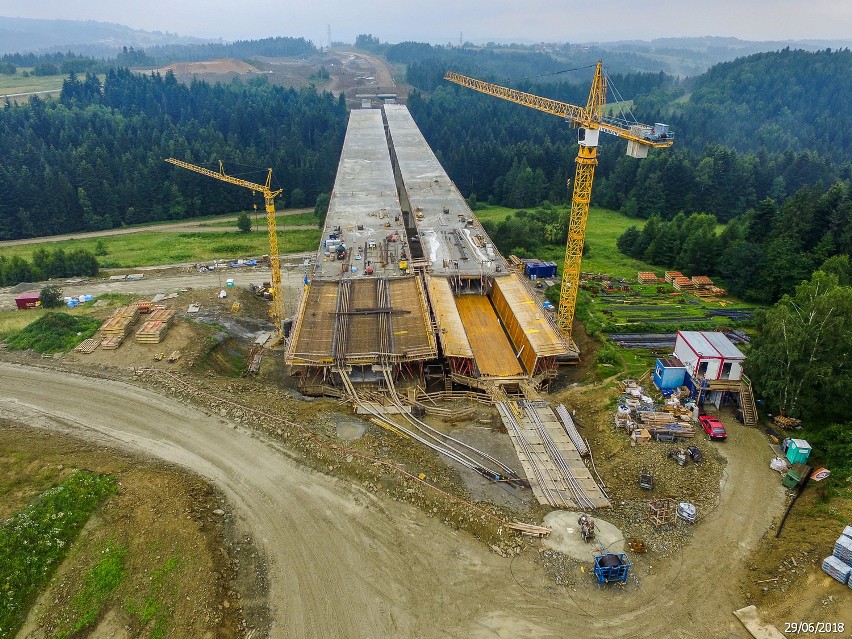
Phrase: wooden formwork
x=492 y=350
x=120 y=322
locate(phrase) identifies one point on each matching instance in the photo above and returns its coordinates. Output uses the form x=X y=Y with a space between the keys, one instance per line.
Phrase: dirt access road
x=196 y=226
x=344 y=563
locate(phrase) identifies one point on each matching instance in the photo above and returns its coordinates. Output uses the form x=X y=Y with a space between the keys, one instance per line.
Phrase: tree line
x=799 y=362
x=483 y=141
x=56 y=63
x=94 y=158
x=762 y=255
x=47 y=264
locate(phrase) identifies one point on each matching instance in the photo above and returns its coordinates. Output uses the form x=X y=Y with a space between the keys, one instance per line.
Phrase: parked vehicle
x=713 y=427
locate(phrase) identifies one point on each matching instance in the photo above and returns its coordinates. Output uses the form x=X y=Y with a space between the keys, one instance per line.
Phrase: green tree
x=321 y=207
x=800 y=359
x=51 y=297
x=243 y=222
x=297 y=198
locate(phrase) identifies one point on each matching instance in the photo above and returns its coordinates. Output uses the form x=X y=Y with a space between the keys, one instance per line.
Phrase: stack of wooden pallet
x=89 y=345
x=683 y=284
x=702 y=281
x=646 y=277
x=153 y=330
x=119 y=324
x=671 y=275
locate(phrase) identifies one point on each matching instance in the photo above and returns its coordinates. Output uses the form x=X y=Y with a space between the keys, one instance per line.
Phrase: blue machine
x=612 y=568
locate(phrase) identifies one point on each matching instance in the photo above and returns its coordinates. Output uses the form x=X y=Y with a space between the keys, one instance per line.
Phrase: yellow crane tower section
x=590 y=121
x=269 y=198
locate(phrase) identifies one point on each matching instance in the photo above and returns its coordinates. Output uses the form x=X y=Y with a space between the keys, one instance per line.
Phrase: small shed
x=798 y=451
x=30 y=299
x=536 y=269
x=669 y=372
x=709 y=355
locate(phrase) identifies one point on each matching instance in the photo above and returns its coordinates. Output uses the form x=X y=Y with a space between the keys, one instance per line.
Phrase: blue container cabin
x=669 y=373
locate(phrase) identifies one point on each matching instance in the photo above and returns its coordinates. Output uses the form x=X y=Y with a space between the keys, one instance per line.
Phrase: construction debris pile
x=643 y=419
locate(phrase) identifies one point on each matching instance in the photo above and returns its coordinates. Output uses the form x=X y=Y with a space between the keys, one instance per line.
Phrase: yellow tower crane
x=590 y=121
x=269 y=196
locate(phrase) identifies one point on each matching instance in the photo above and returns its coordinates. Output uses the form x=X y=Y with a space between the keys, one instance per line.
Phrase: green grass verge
x=99 y=583
x=151 y=248
x=157 y=605
x=34 y=541
x=53 y=333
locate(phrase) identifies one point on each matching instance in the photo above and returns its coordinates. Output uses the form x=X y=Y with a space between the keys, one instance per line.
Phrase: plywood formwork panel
x=364 y=335
x=491 y=348
x=313 y=341
x=411 y=330
x=529 y=328
x=451 y=331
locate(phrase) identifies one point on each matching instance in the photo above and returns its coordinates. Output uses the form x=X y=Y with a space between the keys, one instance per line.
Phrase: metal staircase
x=747 y=404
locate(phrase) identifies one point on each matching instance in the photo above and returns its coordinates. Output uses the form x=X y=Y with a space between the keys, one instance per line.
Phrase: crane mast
x=269 y=196
x=590 y=121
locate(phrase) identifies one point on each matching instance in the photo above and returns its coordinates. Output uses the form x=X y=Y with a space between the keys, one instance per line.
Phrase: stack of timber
x=646 y=277
x=785 y=422
x=144 y=306
x=671 y=275
x=683 y=284
x=661 y=426
x=117 y=327
x=153 y=330
x=703 y=286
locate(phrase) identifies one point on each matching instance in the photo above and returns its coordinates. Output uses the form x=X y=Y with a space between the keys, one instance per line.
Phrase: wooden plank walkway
x=556 y=471
x=491 y=348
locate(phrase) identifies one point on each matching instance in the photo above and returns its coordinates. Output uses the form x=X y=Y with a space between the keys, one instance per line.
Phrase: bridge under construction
x=407 y=280
x=408 y=299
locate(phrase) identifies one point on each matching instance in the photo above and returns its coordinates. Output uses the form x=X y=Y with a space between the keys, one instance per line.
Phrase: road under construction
x=408 y=300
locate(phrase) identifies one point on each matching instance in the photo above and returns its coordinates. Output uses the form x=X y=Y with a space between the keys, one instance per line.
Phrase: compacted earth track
x=342 y=562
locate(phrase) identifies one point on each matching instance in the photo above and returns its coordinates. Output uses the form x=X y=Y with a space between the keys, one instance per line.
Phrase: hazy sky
x=442 y=21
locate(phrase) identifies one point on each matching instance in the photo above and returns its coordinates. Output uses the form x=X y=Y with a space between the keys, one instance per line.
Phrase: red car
x=713 y=427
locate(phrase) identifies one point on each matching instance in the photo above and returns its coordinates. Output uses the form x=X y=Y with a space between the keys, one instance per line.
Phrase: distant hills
x=694 y=55
x=24 y=35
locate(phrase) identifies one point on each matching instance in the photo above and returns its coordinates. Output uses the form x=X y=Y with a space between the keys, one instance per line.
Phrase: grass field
x=19 y=84
x=602 y=231
x=151 y=248
x=282 y=221
x=34 y=541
